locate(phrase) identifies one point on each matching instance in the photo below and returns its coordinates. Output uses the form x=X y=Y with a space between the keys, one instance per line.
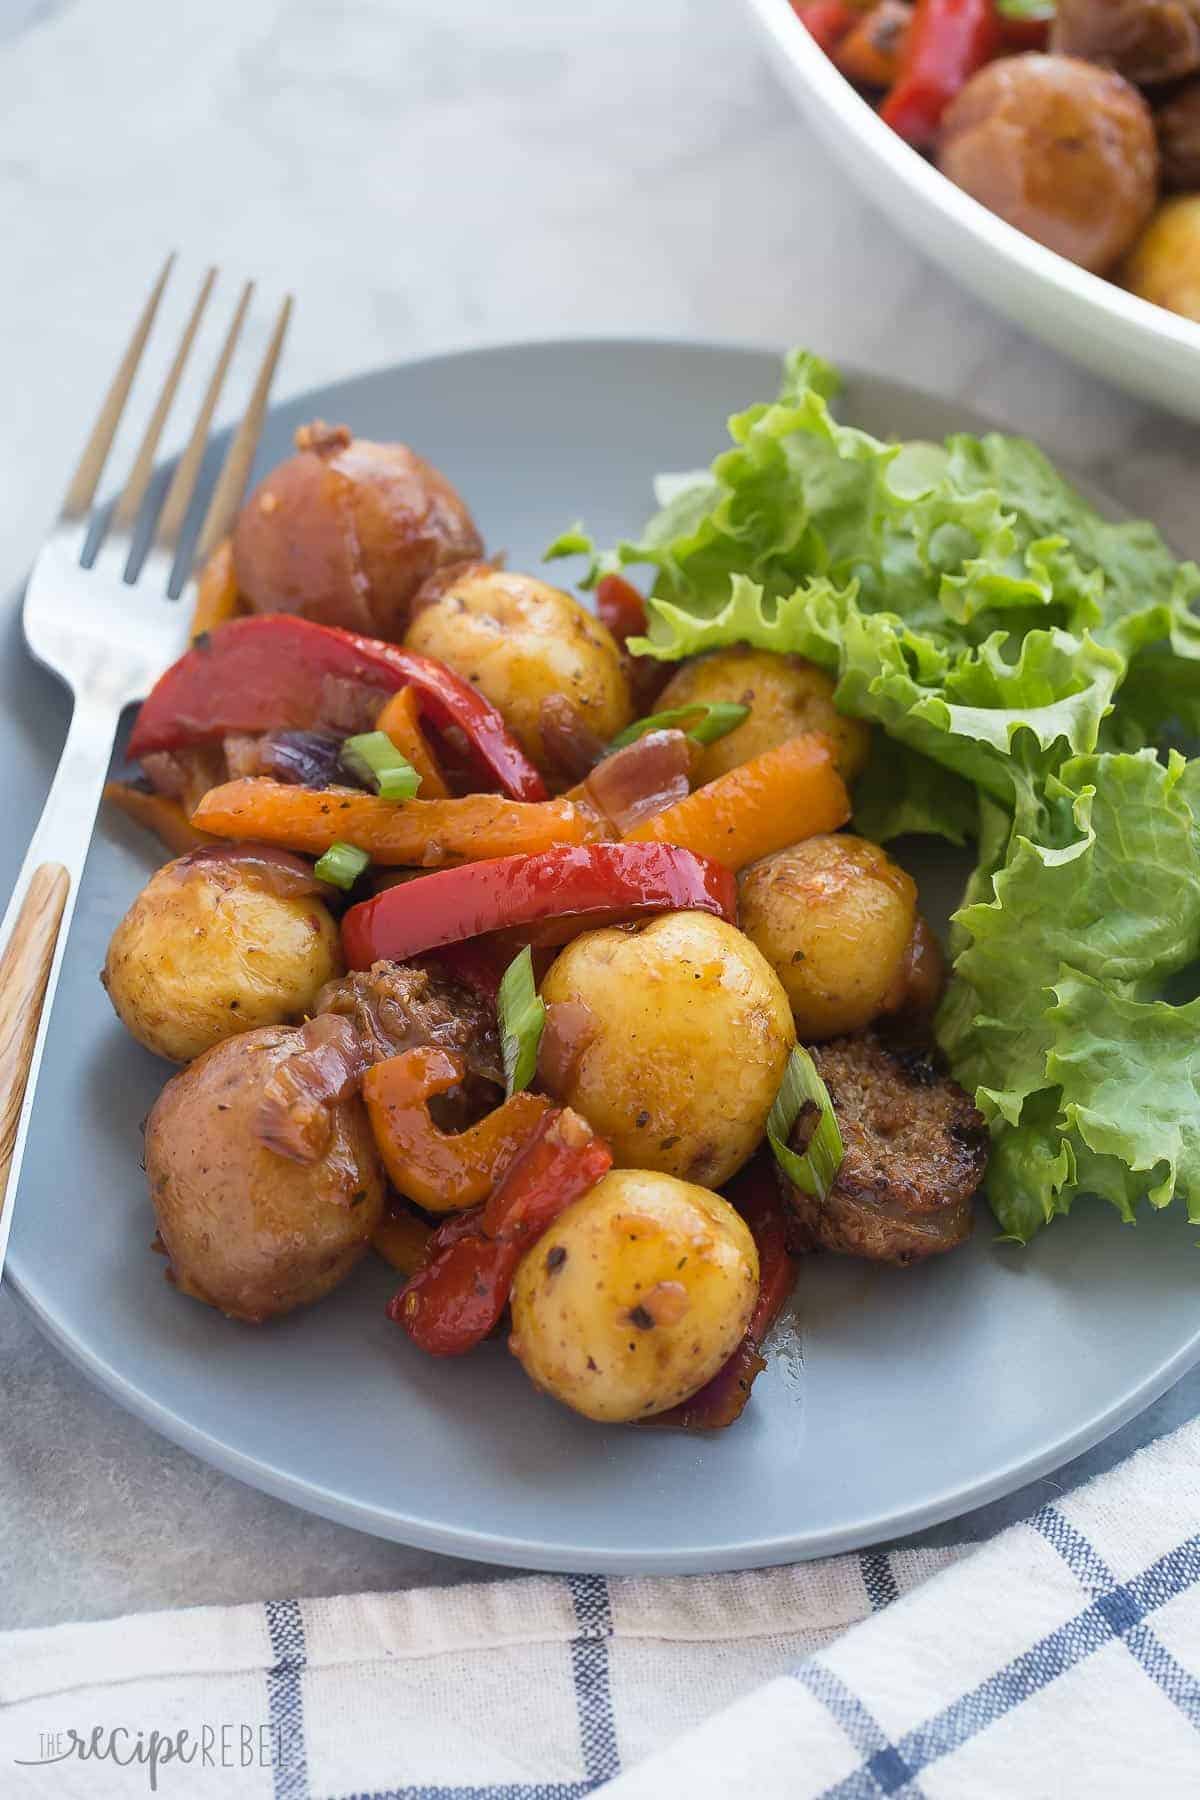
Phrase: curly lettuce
x=1028 y=662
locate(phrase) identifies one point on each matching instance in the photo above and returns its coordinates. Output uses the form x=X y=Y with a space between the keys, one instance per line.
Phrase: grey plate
x=893 y=1400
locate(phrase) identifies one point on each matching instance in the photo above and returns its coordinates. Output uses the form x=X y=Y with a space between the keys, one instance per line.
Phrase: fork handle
x=24 y=975
x=35 y=928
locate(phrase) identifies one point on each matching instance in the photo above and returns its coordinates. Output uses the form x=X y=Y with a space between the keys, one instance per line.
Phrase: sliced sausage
x=916 y=1149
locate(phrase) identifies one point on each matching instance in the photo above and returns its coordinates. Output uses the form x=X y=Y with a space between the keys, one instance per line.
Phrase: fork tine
x=134 y=492
x=183 y=483
x=232 y=480
x=86 y=479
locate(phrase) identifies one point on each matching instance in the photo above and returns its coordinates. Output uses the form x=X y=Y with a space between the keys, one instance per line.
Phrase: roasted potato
x=520 y=642
x=834 y=917
x=786 y=696
x=635 y=1296
x=1164 y=264
x=249 y=1231
x=206 y=951
x=684 y=1038
x=346 y=531
x=1062 y=149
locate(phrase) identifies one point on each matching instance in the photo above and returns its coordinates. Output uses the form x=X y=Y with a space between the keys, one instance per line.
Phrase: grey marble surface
x=425 y=174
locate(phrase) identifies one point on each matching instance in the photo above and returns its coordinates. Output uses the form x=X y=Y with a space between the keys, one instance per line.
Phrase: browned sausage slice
x=916 y=1151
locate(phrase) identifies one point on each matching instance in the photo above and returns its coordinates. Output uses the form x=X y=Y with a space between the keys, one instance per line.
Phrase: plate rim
x=512 y=1550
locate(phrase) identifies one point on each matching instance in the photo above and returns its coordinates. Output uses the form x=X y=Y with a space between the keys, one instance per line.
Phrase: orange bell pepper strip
x=426 y=834
x=402 y=1240
x=443 y=1172
x=164 y=817
x=459 y=1293
x=762 y=806
x=401 y=721
x=217 y=596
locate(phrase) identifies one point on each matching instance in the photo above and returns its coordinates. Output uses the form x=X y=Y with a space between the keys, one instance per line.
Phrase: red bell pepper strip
x=594 y=883
x=271 y=672
x=947 y=41
x=1024 y=34
x=620 y=607
x=720 y=1401
x=460 y=1291
x=827 y=21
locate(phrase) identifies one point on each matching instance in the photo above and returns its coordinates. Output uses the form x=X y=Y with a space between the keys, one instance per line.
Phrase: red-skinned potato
x=346 y=531
x=1060 y=148
x=247 y=1230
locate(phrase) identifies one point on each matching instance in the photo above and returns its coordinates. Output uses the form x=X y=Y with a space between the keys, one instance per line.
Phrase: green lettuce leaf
x=1027 y=662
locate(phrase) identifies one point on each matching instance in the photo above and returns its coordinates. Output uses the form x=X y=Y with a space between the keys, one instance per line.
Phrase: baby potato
x=345 y=532
x=834 y=917
x=635 y=1296
x=249 y=1231
x=786 y=696
x=206 y=951
x=1164 y=264
x=520 y=641
x=687 y=1035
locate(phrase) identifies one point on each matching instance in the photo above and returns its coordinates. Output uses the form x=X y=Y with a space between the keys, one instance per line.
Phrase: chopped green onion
x=522 y=1017
x=341 y=865
x=1025 y=9
x=375 y=760
x=716 y=719
x=803 y=1091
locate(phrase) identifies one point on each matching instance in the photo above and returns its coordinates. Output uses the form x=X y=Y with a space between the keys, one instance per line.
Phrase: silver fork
x=108 y=631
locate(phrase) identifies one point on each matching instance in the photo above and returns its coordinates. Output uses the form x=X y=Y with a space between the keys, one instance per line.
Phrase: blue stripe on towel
x=878 y=1579
x=884 y=1770
x=285 y=1698
x=1124 y=1606
x=589 y=1667
x=593 y=1700
x=1117 y=1612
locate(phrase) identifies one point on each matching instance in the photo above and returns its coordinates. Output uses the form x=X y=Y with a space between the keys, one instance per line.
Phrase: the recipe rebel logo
x=208 y=1746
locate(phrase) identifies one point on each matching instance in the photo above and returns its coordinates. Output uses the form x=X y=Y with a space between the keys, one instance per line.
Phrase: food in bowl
x=591 y=1022
x=1073 y=120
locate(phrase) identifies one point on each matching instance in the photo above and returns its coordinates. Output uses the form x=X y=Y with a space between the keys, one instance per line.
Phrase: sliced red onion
x=295 y=1113
x=570 y=1027
x=642 y=779
x=308 y=759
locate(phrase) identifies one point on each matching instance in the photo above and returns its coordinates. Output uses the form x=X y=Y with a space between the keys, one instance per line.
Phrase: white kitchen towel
x=1062 y=1659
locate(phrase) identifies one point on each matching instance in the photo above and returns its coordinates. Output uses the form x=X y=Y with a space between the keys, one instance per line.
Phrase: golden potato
x=786 y=696
x=346 y=531
x=635 y=1296
x=688 y=1034
x=834 y=917
x=248 y=1231
x=1164 y=264
x=207 y=950
x=520 y=641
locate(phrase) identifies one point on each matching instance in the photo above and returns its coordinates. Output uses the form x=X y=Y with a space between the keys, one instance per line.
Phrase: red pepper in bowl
x=947 y=41
x=826 y=21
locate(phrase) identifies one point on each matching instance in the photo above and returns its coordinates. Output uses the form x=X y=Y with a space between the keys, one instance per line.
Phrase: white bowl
x=1142 y=347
